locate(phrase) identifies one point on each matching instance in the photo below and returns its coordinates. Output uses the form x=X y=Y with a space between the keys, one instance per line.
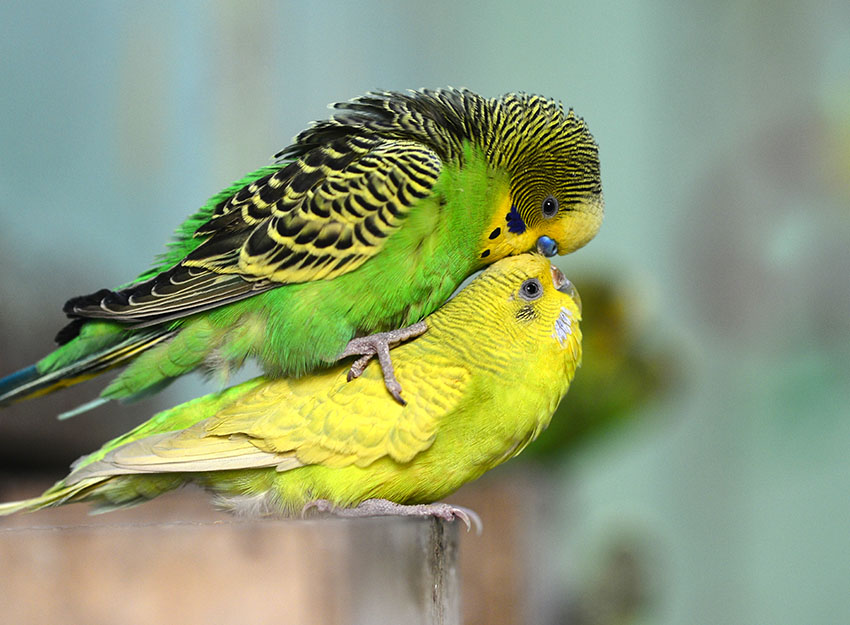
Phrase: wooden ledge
x=177 y=561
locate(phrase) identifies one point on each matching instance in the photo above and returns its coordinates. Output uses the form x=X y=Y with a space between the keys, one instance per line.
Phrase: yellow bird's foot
x=379 y=345
x=384 y=507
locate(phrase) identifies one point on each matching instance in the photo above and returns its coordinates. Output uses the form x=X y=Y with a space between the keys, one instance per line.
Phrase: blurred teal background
x=724 y=130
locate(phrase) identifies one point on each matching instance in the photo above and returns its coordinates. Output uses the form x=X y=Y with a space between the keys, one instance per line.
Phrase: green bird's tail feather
x=100 y=347
x=89 y=347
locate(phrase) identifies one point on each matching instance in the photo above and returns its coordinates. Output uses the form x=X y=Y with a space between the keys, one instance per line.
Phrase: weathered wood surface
x=177 y=561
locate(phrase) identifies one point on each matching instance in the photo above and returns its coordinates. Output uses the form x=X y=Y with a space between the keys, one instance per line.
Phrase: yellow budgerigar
x=481 y=383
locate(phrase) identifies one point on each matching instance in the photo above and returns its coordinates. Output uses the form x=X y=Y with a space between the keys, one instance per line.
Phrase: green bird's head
x=543 y=162
x=540 y=164
x=552 y=199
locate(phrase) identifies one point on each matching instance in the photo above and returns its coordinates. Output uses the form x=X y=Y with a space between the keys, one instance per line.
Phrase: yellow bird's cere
x=481 y=383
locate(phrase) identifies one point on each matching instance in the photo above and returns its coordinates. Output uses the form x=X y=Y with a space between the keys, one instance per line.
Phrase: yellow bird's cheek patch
x=563 y=327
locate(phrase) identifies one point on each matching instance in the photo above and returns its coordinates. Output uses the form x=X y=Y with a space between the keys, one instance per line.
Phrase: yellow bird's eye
x=531 y=290
x=550 y=206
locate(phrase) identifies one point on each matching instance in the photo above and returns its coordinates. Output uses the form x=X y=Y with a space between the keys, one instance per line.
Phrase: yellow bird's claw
x=384 y=507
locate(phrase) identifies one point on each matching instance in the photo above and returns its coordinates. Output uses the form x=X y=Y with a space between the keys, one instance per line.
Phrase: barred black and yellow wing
x=334 y=213
x=317 y=217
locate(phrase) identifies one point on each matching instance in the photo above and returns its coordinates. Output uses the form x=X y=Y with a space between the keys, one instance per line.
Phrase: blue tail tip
x=14 y=380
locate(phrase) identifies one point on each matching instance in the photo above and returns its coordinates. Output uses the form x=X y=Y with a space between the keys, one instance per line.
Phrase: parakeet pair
x=365 y=224
x=481 y=383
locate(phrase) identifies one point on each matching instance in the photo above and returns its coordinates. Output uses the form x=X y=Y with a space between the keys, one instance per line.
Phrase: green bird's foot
x=384 y=507
x=379 y=345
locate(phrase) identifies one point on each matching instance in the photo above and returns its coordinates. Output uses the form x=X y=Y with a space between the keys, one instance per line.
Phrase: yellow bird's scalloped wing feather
x=356 y=422
x=322 y=419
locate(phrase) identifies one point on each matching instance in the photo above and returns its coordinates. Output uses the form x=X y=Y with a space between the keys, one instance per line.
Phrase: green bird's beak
x=547 y=246
x=565 y=286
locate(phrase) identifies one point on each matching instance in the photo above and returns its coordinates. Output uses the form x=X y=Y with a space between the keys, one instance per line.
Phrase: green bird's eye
x=531 y=290
x=550 y=206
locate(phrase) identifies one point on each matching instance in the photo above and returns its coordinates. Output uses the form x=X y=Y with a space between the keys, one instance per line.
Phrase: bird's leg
x=384 y=507
x=379 y=345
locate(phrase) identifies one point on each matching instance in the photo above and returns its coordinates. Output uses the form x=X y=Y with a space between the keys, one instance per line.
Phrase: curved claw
x=467 y=515
x=358 y=367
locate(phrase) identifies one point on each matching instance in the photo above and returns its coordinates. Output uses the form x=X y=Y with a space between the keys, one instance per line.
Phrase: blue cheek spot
x=515 y=222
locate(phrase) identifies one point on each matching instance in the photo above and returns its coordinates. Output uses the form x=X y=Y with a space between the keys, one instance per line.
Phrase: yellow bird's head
x=521 y=309
x=553 y=201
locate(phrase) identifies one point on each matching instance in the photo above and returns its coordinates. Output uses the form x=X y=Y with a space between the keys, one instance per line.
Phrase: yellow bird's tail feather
x=55 y=496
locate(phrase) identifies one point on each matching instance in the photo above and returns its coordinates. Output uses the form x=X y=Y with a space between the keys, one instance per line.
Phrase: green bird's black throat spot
x=485 y=253
x=495 y=233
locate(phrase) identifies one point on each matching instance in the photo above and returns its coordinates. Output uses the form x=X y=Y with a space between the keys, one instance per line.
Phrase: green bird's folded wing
x=316 y=218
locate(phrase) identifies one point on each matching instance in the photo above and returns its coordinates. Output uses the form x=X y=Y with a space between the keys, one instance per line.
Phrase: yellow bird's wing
x=327 y=420
x=315 y=218
x=321 y=419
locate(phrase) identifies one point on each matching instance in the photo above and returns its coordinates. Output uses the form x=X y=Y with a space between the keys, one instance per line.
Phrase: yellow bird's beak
x=565 y=286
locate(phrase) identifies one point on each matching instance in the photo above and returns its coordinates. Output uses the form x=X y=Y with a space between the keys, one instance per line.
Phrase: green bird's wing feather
x=318 y=217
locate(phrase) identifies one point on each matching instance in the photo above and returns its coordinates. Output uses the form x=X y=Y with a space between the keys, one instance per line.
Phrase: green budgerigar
x=365 y=224
x=481 y=384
